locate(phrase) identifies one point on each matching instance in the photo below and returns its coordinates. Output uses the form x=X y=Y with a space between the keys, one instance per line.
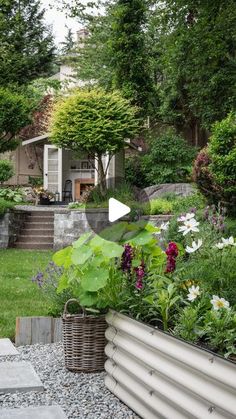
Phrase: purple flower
x=39 y=279
x=140 y=273
x=126 y=259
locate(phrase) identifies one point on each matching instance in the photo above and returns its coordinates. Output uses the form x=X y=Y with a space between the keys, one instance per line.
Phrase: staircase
x=37 y=232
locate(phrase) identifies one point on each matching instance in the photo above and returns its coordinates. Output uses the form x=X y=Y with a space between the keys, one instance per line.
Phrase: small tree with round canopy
x=96 y=123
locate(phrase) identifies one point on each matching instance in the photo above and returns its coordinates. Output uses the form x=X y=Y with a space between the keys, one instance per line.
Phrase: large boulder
x=157 y=191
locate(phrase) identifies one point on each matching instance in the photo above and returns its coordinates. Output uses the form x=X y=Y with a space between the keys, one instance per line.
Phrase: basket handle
x=73 y=300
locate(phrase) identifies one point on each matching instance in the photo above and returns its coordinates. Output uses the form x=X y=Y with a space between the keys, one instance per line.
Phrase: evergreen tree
x=26 y=43
x=130 y=56
x=68 y=44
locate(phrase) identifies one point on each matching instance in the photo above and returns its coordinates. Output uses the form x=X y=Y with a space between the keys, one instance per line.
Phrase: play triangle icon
x=117 y=210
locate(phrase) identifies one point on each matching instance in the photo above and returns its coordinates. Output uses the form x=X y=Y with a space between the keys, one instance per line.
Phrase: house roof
x=36 y=139
x=47 y=135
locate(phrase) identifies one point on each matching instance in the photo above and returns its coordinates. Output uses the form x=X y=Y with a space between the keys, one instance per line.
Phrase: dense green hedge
x=215 y=166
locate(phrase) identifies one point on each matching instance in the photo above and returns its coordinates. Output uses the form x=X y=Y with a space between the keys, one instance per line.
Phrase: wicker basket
x=84 y=340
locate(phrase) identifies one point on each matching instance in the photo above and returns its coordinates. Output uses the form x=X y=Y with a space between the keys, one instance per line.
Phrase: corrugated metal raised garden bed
x=160 y=376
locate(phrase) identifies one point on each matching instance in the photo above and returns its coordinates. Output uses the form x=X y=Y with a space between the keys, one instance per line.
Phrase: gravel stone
x=79 y=395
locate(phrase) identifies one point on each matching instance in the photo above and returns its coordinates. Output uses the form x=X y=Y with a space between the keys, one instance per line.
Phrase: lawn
x=18 y=295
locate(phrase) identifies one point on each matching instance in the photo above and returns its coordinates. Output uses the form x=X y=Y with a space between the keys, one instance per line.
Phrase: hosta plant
x=12 y=195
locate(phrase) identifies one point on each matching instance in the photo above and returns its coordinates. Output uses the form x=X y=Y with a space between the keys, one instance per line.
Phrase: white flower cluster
x=189 y=223
x=226 y=242
x=216 y=301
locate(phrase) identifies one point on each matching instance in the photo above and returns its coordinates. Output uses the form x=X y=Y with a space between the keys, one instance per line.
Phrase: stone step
x=40 y=219
x=38 y=231
x=38 y=224
x=18 y=376
x=35 y=239
x=7 y=348
x=40 y=412
x=33 y=246
x=41 y=214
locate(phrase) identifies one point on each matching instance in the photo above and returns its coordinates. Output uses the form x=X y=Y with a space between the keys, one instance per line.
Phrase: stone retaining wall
x=69 y=225
x=4 y=231
x=10 y=225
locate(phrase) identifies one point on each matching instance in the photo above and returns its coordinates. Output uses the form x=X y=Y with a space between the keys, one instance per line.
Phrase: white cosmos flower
x=186 y=217
x=194 y=292
x=195 y=246
x=219 y=303
x=229 y=241
x=164 y=226
x=189 y=225
x=220 y=245
x=226 y=242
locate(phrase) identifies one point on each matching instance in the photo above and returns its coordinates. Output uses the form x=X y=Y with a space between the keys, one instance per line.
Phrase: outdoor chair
x=67 y=192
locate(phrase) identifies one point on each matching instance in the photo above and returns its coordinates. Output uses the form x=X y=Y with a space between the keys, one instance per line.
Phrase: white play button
x=117 y=210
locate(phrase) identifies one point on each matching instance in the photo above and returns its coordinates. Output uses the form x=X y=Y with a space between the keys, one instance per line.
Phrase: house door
x=53 y=169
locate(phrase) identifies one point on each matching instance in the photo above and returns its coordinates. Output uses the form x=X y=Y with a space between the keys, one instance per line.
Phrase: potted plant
x=43 y=196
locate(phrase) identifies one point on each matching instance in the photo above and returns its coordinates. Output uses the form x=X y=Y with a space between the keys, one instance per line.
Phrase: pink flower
x=172 y=253
x=140 y=273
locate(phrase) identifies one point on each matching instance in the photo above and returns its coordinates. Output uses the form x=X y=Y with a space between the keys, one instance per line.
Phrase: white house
x=60 y=166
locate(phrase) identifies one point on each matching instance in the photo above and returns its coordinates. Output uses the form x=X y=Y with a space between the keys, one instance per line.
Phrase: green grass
x=18 y=295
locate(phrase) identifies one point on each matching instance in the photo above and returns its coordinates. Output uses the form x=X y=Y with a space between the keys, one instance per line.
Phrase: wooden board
x=32 y=330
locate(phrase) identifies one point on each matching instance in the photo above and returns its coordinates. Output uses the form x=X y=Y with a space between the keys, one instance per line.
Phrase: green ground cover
x=18 y=295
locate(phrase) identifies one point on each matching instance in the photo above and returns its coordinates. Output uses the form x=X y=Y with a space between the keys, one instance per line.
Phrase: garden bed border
x=158 y=375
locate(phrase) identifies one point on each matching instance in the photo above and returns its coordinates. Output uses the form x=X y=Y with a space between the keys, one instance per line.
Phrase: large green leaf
x=78 y=243
x=88 y=299
x=112 y=250
x=80 y=255
x=94 y=278
x=115 y=232
x=151 y=228
x=63 y=283
x=63 y=257
x=142 y=238
x=96 y=243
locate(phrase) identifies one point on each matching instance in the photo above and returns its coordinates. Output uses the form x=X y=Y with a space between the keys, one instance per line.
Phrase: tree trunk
x=101 y=177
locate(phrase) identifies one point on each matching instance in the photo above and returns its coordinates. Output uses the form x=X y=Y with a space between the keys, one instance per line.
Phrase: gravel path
x=79 y=395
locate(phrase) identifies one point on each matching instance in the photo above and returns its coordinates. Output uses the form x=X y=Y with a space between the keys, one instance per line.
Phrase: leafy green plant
x=215 y=166
x=12 y=195
x=169 y=158
x=187 y=323
x=5 y=205
x=164 y=298
x=93 y=265
x=35 y=181
x=135 y=172
x=157 y=206
x=47 y=281
x=6 y=170
x=219 y=330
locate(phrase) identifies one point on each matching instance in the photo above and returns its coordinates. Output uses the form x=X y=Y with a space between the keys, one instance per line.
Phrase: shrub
x=157 y=206
x=222 y=151
x=169 y=158
x=11 y=195
x=135 y=172
x=215 y=166
x=5 y=205
x=35 y=181
x=6 y=170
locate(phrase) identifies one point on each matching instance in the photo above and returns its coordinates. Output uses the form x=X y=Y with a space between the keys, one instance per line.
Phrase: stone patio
x=7 y=348
x=18 y=376
x=41 y=412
